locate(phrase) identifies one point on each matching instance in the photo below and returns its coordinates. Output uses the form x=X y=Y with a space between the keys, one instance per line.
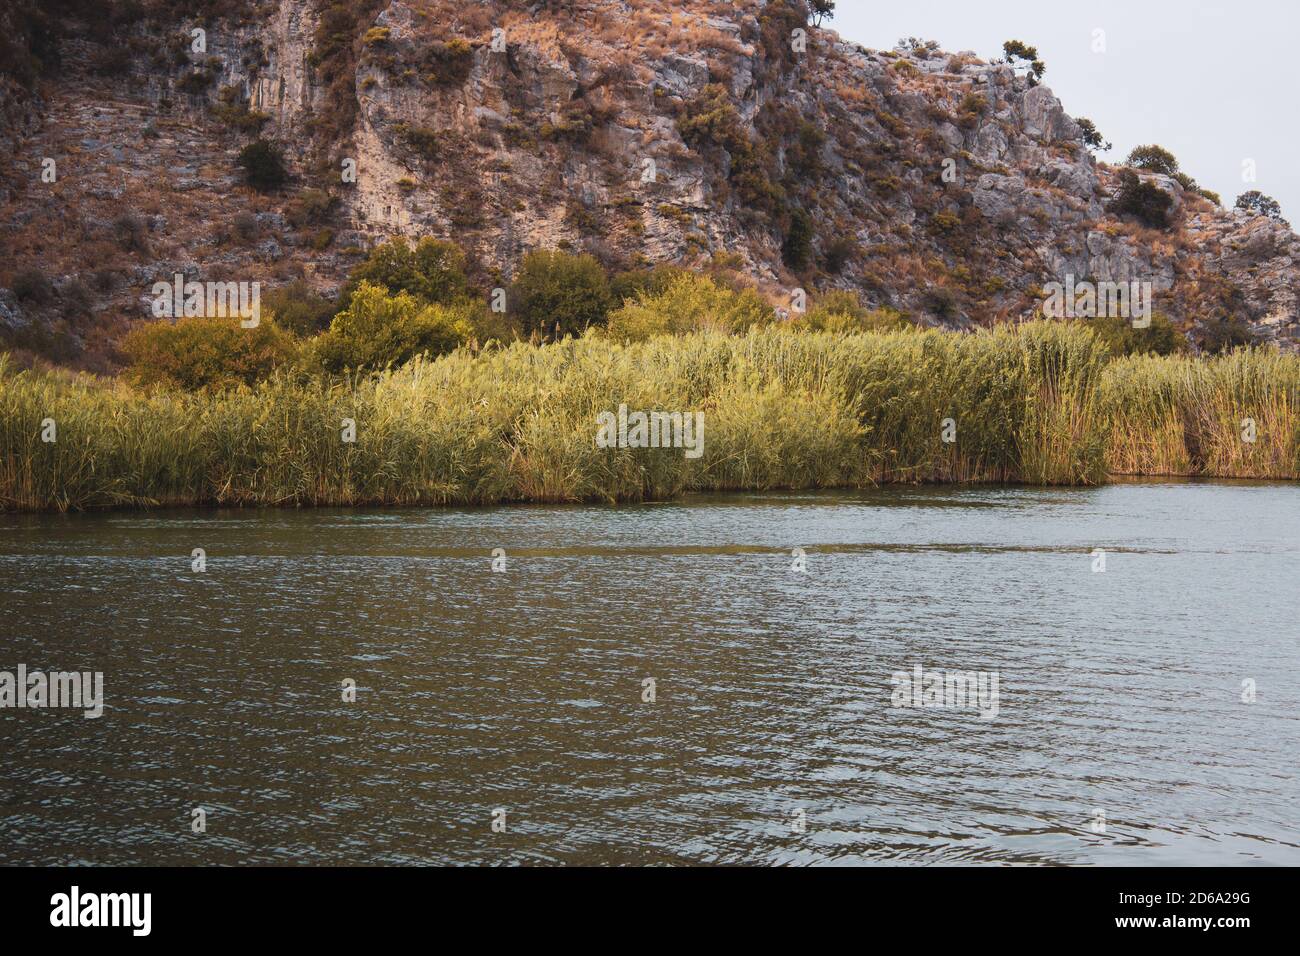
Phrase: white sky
x=1214 y=82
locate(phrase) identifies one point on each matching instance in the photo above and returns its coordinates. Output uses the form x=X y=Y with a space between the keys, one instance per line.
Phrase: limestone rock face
x=644 y=131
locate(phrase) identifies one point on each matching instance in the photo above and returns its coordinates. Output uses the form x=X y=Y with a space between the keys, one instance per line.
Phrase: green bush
x=842 y=311
x=560 y=293
x=1223 y=333
x=710 y=121
x=195 y=82
x=690 y=303
x=1146 y=201
x=449 y=63
x=34 y=286
x=796 y=250
x=421 y=140
x=1155 y=159
x=1257 y=204
x=634 y=283
x=1159 y=338
x=1092 y=137
x=1015 y=50
x=434 y=271
x=205 y=353
x=378 y=330
x=299 y=308
x=839 y=253
x=263 y=165
x=311 y=207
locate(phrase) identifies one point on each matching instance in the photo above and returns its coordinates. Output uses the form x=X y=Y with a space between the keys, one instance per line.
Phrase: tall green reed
x=1039 y=403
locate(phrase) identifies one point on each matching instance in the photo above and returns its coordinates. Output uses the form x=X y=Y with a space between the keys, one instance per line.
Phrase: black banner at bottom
x=335 y=906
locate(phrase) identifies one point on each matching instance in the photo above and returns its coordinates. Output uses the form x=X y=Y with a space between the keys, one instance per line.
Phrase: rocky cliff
x=733 y=135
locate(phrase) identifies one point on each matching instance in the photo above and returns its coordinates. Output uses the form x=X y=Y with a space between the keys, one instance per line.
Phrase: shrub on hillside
x=842 y=311
x=424 y=141
x=839 y=253
x=710 y=121
x=634 y=283
x=206 y=353
x=1017 y=50
x=233 y=110
x=1159 y=338
x=1257 y=204
x=690 y=303
x=299 y=308
x=263 y=165
x=434 y=271
x=34 y=286
x=449 y=62
x=1223 y=333
x=1154 y=159
x=796 y=250
x=311 y=207
x=132 y=233
x=1092 y=137
x=1145 y=201
x=377 y=330
x=821 y=9
x=558 y=293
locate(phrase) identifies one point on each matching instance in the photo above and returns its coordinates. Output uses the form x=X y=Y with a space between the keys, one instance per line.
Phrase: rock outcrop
x=938 y=184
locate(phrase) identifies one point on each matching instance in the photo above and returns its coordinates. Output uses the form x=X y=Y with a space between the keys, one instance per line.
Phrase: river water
x=1147 y=714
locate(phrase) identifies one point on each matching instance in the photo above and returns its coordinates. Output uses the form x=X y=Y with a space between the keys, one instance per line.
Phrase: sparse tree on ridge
x=1027 y=55
x=1092 y=137
x=822 y=10
x=1153 y=159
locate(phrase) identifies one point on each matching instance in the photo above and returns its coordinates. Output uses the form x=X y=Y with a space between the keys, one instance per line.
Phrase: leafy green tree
x=690 y=303
x=1015 y=50
x=796 y=250
x=838 y=310
x=434 y=271
x=1092 y=137
x=1257 y=204
x=378 y=330
x=194 y=354
x=822 y=10
x=556 y=292
x=642 y=283
x=1154 y=159
x=299 y=308
x=1147 y=202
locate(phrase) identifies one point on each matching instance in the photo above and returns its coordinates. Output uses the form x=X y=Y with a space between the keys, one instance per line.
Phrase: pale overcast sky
x=1214 y=82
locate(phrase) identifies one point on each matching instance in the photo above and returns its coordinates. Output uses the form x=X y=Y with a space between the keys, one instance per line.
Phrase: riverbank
x=1039 y=404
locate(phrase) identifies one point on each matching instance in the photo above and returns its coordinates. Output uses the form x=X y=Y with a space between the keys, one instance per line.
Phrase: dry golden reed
x=1041 y=403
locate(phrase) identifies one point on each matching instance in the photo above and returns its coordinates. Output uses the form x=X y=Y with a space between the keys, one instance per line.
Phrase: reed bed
x=1186 y=416
x=1041 y=403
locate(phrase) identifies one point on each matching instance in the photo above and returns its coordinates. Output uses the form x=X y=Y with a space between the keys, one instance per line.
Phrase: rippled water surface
x=1120 y=692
